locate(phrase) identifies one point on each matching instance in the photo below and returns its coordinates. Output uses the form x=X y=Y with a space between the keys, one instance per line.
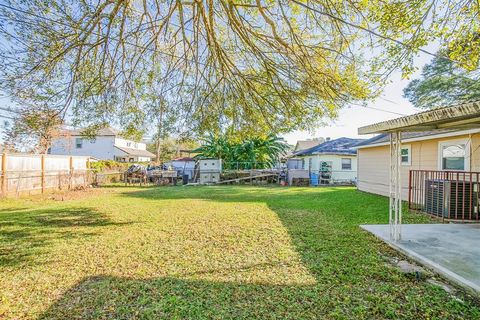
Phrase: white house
x=334 y=160
x=106 y=145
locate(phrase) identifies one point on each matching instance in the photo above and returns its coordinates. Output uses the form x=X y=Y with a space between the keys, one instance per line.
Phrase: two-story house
x=108 y=144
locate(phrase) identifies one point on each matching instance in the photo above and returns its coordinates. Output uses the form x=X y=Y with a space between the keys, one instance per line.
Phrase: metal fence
x=449 y=195
x=33 y=173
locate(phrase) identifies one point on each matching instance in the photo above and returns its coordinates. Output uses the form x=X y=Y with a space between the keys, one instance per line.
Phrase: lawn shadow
x=107 y=297
x=351 y=279
x=26 y=232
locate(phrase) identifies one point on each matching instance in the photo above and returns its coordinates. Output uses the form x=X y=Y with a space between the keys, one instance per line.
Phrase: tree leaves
x=443 y=83
x=255 y=152
x=34 y=129
x=254 y=66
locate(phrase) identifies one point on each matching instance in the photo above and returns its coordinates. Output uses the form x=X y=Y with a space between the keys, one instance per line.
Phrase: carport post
x=395 y=208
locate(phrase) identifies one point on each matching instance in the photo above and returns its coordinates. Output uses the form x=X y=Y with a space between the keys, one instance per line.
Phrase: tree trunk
x=159 y=132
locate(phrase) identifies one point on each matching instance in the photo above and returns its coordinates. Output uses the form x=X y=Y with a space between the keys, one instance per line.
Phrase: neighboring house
x=301 y=145
x=335 y=160
x=307 y=144
x=429 y=150
x=106 y=145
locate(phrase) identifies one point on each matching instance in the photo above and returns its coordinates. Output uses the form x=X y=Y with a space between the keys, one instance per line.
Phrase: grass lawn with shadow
x=231 y=252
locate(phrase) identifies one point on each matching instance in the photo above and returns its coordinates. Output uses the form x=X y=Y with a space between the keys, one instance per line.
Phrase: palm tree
x=252 y=153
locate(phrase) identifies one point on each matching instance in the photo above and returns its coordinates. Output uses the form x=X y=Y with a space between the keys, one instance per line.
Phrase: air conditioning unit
x=451 y=199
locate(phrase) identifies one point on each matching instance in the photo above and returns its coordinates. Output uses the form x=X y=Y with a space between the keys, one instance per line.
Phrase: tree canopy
x=251 y=66
x=442 y=83
x=34 y=129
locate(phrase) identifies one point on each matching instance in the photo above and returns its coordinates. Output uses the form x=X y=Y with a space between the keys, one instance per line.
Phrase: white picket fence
x=34 y=173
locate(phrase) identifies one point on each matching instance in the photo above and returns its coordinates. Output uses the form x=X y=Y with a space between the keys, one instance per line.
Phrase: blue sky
x=350 y=119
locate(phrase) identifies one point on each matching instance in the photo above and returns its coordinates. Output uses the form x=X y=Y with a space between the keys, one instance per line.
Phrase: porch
x=450 y=250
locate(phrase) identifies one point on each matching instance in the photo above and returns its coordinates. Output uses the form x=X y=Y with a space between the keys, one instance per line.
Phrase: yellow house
x=431 y=159
x=445 y=150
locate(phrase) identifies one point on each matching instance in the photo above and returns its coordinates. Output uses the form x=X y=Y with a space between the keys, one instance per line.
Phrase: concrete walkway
x=452 y=250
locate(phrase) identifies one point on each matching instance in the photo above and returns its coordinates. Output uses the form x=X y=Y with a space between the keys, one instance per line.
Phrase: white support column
x=395 y=208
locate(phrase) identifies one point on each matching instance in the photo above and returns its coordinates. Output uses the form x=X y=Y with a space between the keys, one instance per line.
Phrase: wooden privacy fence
x=34 y=173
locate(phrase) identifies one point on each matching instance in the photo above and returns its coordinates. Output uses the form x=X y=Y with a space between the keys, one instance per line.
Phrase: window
x=453 y=155
x=405 y=154
x=136 y=145
x=346 y=164
x=78 y=143
x=129 y=144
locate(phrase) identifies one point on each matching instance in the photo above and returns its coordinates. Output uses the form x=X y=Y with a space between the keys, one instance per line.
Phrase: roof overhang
x=423 y=138
x=326 y=154
x=462 y=117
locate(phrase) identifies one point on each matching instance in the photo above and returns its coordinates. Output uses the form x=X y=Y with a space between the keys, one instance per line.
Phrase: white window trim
x=409 y=148
x=351 y=164
x=443 y=143
x=78 y=144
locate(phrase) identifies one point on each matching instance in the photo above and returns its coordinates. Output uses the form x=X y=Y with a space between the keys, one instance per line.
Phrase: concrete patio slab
x=452 y=250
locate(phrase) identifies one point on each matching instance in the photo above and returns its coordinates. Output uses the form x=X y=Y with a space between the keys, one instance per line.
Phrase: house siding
x=338 y=174
x=102 y=147
x=119 y=142
x=374 y=162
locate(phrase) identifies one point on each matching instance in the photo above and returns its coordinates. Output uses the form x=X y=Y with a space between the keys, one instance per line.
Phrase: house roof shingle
x=385 y=137
x=136 y=152
x=341 y=146
x=307 y=144
x=101 y=132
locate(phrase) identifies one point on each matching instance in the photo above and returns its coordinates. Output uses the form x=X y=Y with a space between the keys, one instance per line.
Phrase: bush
x=109 y=165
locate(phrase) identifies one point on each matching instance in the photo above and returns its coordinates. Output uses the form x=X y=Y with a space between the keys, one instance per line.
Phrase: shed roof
x=186 y=159
x=341 y=146
x=461 y=116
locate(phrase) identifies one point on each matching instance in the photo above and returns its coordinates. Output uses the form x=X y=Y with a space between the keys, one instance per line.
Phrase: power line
x=98 y=34
x=9 y=110
x=371 y=31
x=201 y=63
x=383 y=110
x=6 y=117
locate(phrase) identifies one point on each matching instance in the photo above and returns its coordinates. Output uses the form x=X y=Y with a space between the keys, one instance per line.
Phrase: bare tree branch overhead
x=249 y=65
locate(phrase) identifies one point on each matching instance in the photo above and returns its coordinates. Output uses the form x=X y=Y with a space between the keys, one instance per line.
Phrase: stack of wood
x=164 y=177
x=300 y=182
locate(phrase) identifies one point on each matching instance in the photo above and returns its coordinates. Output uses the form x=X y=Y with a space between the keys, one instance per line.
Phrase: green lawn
x=208 y=252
